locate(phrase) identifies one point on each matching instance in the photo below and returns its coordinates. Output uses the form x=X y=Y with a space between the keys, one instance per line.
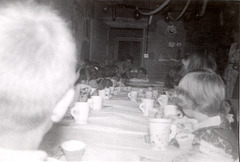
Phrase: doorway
x=132 y=48
x=129 y=46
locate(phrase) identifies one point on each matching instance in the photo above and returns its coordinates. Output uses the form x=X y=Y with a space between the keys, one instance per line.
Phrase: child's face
x=140 y=74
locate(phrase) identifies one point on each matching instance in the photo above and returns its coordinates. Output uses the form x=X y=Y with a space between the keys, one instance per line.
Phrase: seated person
x=117 y=76
x=142 y=73
x=86 y=82
x=82 y=77
x=125 y=66
x=172 y=78
x=198 y=60
x=106 y=80
x=109 y=71
x=201 y=96
x=105 y=83
x=88 y=76
x=37 y=77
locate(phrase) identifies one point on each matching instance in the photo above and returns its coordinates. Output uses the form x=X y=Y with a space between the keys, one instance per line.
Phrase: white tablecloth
x=116 y=133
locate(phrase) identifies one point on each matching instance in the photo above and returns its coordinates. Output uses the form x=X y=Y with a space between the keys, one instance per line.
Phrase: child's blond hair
x=203 y=91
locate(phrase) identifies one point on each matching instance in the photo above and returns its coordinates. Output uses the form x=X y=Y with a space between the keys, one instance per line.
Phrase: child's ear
x=62 y=106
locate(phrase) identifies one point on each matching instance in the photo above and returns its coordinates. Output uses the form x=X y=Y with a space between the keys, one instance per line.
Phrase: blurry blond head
x=37 y=65
x=203 y=91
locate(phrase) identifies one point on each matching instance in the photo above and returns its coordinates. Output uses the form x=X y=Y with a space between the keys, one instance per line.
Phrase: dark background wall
x=98 y=35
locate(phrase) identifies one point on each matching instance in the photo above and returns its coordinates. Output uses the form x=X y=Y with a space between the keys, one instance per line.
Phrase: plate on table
x=144 y=84
x=138 y=80
x=138 y=84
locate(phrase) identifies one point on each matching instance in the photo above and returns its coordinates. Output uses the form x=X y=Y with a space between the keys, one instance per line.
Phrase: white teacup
x=80 y=112
x=146 y=105
x=172 y=110
x=95 y=102
x=102 y=93
x=163 y=100
x=185 y=140
x=149 y=94
x=133 y=96
x=73 y=150
x=161 y=132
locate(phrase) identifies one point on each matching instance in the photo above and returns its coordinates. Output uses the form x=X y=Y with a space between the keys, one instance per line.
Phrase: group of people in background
x=100 y=77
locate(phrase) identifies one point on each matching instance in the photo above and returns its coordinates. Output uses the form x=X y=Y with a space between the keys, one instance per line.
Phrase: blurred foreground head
x=37 y=69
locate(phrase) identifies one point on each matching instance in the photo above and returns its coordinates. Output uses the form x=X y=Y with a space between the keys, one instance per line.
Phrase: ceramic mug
x=133 y=96
x=146 y=105
x=95 y=102
x=73 y=150
x=161 y=132
x=80 y=112
x=163 y=100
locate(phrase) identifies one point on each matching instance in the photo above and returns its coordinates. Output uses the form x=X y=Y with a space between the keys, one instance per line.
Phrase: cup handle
x=159 y=101
x=72 y=112
x=141 y=107
x=173 y=132
x=129 y=95
x=90 y=103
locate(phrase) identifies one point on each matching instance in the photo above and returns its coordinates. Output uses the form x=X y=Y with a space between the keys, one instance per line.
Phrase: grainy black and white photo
x=119 y=80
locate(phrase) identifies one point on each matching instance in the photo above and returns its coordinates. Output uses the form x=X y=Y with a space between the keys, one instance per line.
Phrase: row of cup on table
x=107 y=93
x=150 y=94
x=147 y=104
x=80 y=110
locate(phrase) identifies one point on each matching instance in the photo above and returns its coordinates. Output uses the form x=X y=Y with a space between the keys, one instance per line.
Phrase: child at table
x=142 y=73
x=172 y=78
x=201 y=95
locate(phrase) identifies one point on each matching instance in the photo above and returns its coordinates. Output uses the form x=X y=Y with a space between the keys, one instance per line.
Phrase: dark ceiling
x=125 y=10
x=173 y=4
